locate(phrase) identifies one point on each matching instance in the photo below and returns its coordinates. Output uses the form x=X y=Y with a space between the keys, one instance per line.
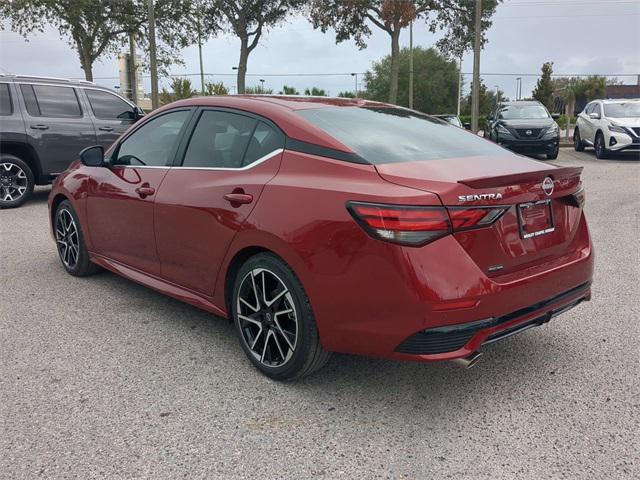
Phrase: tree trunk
x=242 y=64
x=86 y=64
x=395 y=61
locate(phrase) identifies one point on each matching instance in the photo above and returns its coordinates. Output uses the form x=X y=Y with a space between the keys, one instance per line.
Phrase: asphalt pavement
x=103 y=378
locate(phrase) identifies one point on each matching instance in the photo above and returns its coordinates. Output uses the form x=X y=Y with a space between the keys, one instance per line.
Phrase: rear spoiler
x=518 y=178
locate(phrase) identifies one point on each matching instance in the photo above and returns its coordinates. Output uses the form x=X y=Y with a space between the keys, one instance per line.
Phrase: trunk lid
x=509 y=180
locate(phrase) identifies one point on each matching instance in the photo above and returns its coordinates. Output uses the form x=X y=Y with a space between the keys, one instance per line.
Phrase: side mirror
x=467 y=126
x=93 y=156
x=594 y=116
x=138 y=114
x=555 y=116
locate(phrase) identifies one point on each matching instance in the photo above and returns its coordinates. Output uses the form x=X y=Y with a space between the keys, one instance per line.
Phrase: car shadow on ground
x=350 y=379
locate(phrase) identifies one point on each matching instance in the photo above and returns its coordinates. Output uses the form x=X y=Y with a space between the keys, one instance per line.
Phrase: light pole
x=475 y=94
x=262 y=85
x=411 y=65
x=356 y=77
x=497 y=94
x=459 y=84
x=153 y=65
x=518 y=86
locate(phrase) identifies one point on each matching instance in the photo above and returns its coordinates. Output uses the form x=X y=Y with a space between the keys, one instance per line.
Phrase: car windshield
x=515 y=112
x=622 y=110
x=387 y=135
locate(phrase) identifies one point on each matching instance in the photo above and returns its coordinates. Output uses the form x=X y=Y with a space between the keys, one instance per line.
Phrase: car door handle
x=145 y=191
x=40 y=127
x=241 y=198
x=106 y=129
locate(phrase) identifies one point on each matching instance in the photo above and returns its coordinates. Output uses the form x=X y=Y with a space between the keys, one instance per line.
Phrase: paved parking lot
x=102 y=378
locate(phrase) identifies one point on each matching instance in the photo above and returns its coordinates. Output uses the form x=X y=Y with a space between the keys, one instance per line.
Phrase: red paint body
x=367 y=295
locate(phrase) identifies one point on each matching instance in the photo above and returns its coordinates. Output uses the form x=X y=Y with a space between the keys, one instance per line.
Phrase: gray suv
x=45 y=122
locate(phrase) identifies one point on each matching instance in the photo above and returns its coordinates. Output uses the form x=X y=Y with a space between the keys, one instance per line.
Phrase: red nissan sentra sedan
x=325 y=225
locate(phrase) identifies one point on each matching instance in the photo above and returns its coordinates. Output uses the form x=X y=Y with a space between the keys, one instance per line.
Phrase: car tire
x=578 y=146
x=274 y=320
x=16 y=181
x=70 y=243
x=601 y=150
x=554 y=154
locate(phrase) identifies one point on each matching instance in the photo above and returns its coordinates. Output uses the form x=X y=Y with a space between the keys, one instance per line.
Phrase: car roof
x=619 y=100
x=281 y=110
x=41 y=79
x=521 y=102
x=291 y=102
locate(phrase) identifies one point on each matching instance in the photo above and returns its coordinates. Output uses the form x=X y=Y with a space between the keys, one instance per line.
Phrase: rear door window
x=219 y=140
x=264 y=141
x=51 y=101
x=6 y=108
x=388 y=135
x=107 y=106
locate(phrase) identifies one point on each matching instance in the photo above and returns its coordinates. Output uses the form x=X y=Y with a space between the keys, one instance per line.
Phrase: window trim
x=35 y=96
x=184 y=144
x=11 y=107
x=113 y=156
x=113 y=94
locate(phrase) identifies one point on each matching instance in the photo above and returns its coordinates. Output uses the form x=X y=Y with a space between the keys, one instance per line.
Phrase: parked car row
x=45 y=122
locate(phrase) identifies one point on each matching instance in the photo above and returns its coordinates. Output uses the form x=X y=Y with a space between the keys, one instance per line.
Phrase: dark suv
x=45 y=122
x=526 y=127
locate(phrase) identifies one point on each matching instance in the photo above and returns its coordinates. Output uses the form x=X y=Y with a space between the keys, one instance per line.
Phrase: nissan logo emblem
x=547 y=186
x=528 y=132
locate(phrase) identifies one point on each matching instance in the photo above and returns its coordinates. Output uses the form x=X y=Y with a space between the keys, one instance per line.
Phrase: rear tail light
x=579 y=198
x=416 y=226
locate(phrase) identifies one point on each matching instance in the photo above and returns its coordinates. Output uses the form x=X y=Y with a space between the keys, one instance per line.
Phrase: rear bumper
x=388 y=309
x=532 y=146
x=462 y=339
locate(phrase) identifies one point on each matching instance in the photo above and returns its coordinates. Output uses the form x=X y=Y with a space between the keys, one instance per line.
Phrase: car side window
x=6 y=108
x=154 y=142
x=107 y=106
x=51 y=101
x=219 y=140
x=264 y=141
x=589 y=108
x=597 y=109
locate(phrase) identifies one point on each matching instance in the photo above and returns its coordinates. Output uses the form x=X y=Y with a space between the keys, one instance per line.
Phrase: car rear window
x=107 y=106
x=5 y=100
x=392 y=135
x=51 y=101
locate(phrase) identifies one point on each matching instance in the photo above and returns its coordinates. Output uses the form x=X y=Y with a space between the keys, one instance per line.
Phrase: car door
x=121 y=198
x=57 y=127
x=587 y=130
x=111 y=114
x=205 y=199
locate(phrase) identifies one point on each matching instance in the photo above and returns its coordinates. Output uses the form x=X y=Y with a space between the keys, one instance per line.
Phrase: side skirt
x=158 y=284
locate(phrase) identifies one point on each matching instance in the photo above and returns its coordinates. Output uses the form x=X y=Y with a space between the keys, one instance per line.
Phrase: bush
x=562 y=121
x=482 y=121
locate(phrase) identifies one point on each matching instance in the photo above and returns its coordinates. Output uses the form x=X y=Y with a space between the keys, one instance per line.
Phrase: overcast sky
x=579 y=36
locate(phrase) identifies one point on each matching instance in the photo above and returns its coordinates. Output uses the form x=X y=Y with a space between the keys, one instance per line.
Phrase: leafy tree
x=352 y=19
x=98 y=27
x=347 y=94
x=544 y=88
x=315 y=92
x=248 y=20
x=577 y=91
x=215 y=88
x=181 y=88
x=488 y=101
x=289 y=91
x=435 y=81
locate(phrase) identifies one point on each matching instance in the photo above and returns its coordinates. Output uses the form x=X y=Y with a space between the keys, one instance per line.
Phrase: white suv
x=609 y=126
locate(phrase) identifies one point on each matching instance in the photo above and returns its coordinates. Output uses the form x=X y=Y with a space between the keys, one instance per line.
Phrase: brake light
x=406 y=225
x=579 y=198
x=415 y=225
x=464 y=218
